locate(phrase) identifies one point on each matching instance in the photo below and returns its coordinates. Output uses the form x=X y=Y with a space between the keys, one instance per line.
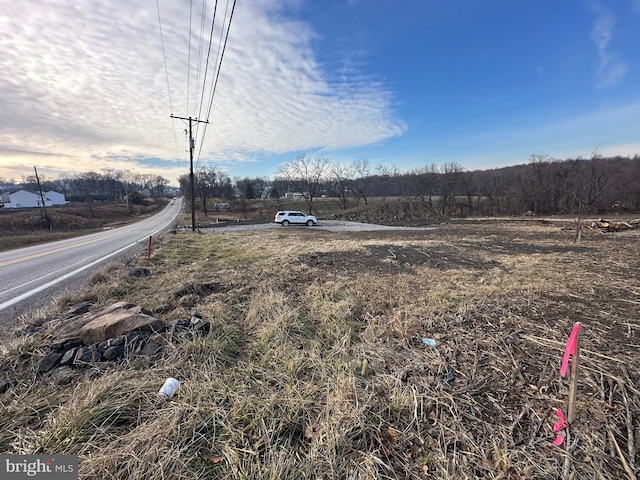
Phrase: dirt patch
x=393 y=258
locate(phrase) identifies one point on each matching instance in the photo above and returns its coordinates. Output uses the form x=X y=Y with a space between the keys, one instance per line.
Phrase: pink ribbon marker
x=571 y=348
x=559 y=426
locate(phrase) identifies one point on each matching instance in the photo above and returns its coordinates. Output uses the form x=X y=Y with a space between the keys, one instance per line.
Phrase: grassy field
x=27 y=226
x=315 y=366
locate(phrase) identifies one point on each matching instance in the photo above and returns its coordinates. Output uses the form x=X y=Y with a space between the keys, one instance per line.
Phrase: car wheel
x=309 y=223
x=285 y=223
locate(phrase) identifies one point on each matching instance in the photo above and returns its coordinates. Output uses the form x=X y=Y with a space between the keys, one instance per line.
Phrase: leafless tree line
x=543 y=186
x=208 y=183
x=110 y=185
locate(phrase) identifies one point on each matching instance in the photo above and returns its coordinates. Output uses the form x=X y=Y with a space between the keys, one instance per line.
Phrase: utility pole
x=44 y=207
x=191 y=146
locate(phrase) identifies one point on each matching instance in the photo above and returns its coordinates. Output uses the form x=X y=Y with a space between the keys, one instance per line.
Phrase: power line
x=164 y=56
x=213 y=91
x=226 y=38
x=203 y=14
x=206 y=68
x=189 y=55
x=166 y=73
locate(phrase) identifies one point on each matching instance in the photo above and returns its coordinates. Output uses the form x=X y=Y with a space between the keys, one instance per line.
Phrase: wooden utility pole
x=44 y=207
x=192 y=188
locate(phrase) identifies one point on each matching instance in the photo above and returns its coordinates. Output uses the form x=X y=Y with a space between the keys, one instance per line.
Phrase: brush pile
x=609 y=226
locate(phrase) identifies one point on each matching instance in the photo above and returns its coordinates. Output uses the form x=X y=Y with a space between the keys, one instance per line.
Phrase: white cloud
x=85 y=81
x=610 y=69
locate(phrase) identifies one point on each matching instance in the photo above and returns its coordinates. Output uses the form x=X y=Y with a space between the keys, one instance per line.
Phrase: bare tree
x=382 y=180
x=205 y=185
x=590 y=183
x=127 y=179
x=422 y=183
x=449 y=178
x=340 y=179
x=361 y=180
x=305 y=174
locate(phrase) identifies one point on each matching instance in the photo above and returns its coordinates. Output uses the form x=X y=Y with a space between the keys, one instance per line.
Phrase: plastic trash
x=196 y=318
x=170 y=386
x=429 y=341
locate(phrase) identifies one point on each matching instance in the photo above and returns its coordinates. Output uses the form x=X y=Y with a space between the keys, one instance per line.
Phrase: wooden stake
x=573 y=384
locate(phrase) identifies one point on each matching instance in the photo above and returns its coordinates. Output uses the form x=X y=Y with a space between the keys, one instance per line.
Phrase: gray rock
x=113 y=353
x=49 y=361
x=79 y=309
x=115 y=321
x=139 y=272
x=118 y=341
x=179 y=325
x=86 y=356
x=69 y=355
x=65 y=345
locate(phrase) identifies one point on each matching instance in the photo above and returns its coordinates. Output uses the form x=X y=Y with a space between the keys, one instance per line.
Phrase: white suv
x=285 y=217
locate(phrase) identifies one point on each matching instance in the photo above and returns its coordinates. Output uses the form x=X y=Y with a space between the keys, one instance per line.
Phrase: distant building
x=25 y=199
x=56 y=198
x=296 y=195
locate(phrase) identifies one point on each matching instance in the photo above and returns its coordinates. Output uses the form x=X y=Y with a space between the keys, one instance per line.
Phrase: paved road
x=30 y=277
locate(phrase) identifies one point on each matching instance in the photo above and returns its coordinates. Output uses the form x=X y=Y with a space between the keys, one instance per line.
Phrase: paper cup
x=171 y=386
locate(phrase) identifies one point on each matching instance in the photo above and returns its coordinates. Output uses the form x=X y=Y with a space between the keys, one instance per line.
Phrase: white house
x=24 y=199
x=55 y=197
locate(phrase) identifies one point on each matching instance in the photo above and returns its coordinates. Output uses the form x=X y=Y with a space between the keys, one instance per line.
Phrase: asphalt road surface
x=30 y=277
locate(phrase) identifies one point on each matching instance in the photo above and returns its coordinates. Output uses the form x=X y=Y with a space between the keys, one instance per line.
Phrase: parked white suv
x=285 y=217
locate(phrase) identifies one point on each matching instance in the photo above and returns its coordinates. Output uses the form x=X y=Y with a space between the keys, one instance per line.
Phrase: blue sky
x=483 y=83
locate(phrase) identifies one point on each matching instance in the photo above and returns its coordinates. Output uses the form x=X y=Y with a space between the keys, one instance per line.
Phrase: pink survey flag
x=560 y=425
x=571 y=348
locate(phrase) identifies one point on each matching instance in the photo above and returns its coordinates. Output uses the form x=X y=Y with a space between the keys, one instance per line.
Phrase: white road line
x=44 y=286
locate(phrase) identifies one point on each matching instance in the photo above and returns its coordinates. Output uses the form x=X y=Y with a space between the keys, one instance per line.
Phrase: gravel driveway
x=329 y=225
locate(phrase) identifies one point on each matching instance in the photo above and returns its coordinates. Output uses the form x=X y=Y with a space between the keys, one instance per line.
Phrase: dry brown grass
x=24 y=227
x=315 y=365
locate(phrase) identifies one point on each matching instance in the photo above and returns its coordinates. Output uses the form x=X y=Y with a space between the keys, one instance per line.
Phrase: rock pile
x=113 y=333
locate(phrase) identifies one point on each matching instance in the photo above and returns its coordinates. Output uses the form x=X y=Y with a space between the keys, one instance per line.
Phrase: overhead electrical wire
x=206 y=68
x=189 y=54
x=203 y=15
x=166 y=72
x=201 y=105
x=226 y=38
x=213 y=90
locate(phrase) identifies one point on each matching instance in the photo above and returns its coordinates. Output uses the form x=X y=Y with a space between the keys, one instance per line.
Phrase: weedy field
x=29 y=226
x=315 y=366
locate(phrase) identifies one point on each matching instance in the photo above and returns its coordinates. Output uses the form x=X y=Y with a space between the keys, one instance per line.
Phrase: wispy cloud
x=86 y=81
x=610 y=69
